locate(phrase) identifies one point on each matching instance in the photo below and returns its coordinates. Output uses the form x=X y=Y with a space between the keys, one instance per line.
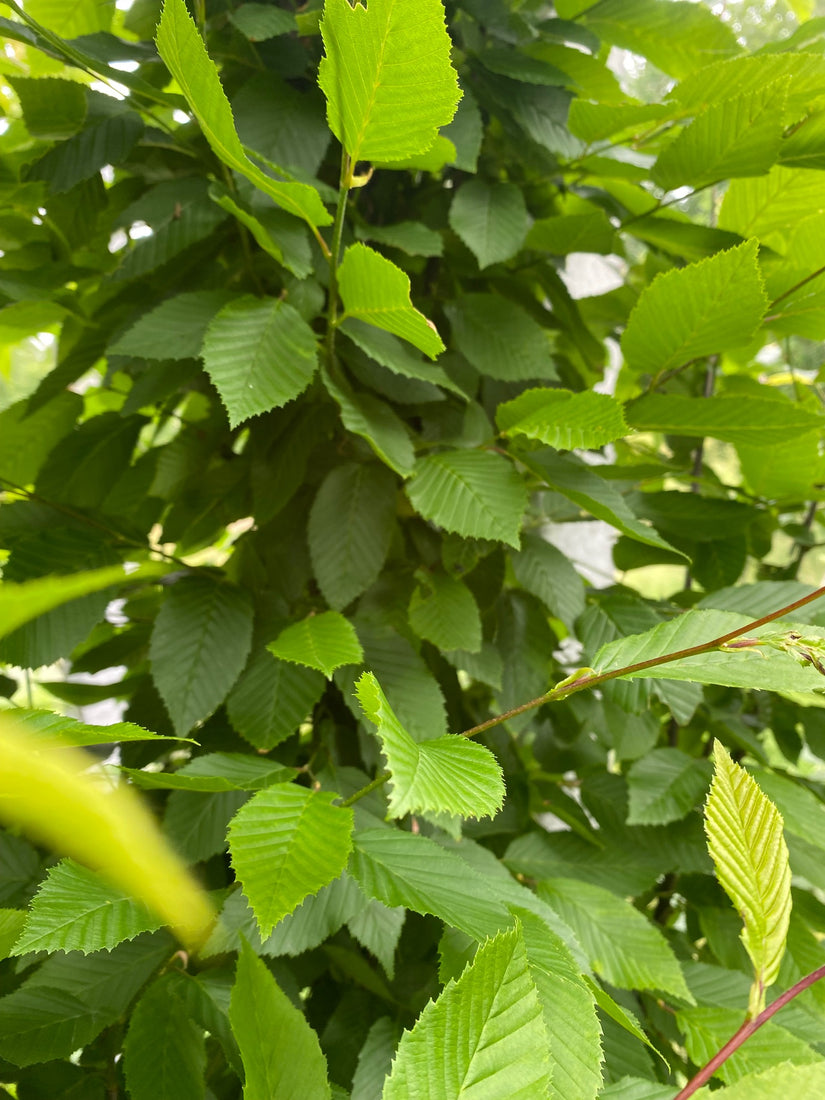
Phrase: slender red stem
x=745 y=1031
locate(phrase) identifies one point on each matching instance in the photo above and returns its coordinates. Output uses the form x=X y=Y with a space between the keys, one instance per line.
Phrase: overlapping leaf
x=324 y=642
x=750 y=420
x=490 y=218
x=563 y=419
x=164 y=1054
x=440 y=775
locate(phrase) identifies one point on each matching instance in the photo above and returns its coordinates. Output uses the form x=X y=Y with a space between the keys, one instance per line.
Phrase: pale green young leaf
x=444 y=611
x=373 y=289
x=490 y=218
x=387 y=76
x=737 y=136
x=595 y=496
x=262 y=21
x=748 y=848
x=757 y=667
x=199 y=645
x=494 y=1006
x=597 y=121
x=799 y=75
x=324 y=642
x=664 y=786
x=477 y=494
x=77 y=910
x=72 y=20
x=279 y=1050
x=350 y=527
x=440 y=775
x=545 y=571
x=500 y=339
x=769 y=207
x=20 y=603
x=164 y=1053
x=271 y=699
x=287 y=842
x=184 y=54
x=750 y=420
x=694 y=311
x=399 y=868
x=622 y=946
x=375 y=421
x=563 y=419
x=260 y=353
x=173 y=330
x=49 y=729
x=775 y=1083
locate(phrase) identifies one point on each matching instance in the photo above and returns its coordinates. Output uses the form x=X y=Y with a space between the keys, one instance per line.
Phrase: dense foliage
x=348 y=355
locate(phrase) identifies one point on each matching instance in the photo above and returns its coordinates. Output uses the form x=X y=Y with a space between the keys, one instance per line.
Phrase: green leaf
x=748 y=667
x=53 y=108
x=695 y=311
x=72 y=20
x=375 y=1060
x=440 y=775
x=665 y=785
x=278 y=233
x=500 y=339
x=350 y=528
x=184 y=54
x=324 y=642
x=288 y=842
x=280 y=1051
x=262 y=21
x=738 y=136
x=563 y=419
x=595 y=496
x=769 y=207
x=260 y=353
x=387 y=76
x=477 y=494
x=71 y=998
x=215 y=771
x=48 y=729
x=748 y=849
x=106 y=140
x=495 y=1007
x=622 y=946
x=573 y=233
x=373 y=289
x=387 y=350
x=164 y=1054
x=444 y=611
x=76 y=910
x=758 y=421
x=376 y=422
x=491 y=219
x=398 y=868
x=27 y=437
x=200 y=642
x=271 y=699
x=414 y=238
x=20 y=603
x=775 y=1083
x=175 y=328
x=542 y=569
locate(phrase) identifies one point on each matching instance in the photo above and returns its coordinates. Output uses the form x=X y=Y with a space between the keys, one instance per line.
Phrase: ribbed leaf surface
x=261 y=21
x=271 y=699
x=77 y=910
x=750 y=420
x=164 y=1055
x=350 y=527
x=288 y=842
x=776 y=1083
x=280 y=1051
x=105 y=141
x=696 y=310
x=474 y=493
x=766 y=206
x=414 y=238
x=444 y=611
x=71 y=20
x=199 y=645
x=174 y=329
x=215 y=771
x=621 y=944
x=542 y=569
x=324 y=642
x=57 y=729
x=443 y=775
x=184 y=54
x=500 y=339
x=388 y=350
x=376 y=422
x=491 y=219
x=260 y=353
x=563 y=419
x=738 y=136
x=748 y=848
x=758 y=668
x=387 y=76
x=665 y=785
x=399 y=868
x=27 y=437
x=483 y=1038
x=373 y=289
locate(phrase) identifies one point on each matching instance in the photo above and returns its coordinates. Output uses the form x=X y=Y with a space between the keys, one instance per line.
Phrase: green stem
x=379 y=781
x=335 y=252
